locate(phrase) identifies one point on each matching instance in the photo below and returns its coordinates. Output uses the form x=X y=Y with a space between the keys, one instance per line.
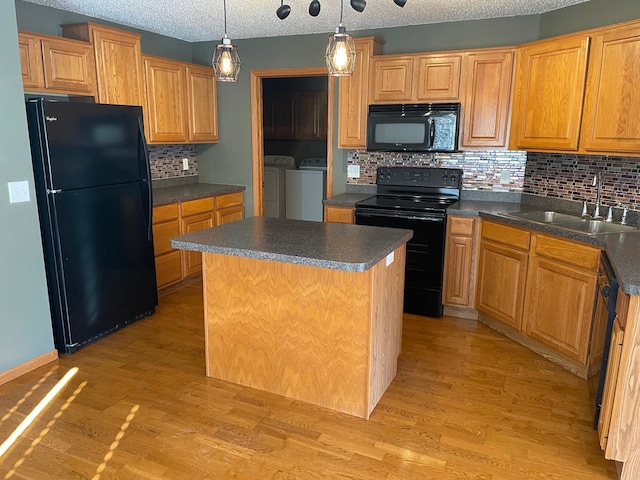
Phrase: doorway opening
x=291 y=116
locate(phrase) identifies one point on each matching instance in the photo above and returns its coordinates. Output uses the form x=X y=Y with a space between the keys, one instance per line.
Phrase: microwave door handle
x=432 y=131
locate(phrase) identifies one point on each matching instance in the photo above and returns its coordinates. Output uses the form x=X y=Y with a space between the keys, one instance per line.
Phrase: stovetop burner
x=415 y=189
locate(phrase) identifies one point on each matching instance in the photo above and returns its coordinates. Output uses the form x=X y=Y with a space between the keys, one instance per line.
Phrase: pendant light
x=226 y=62
x=341 y=51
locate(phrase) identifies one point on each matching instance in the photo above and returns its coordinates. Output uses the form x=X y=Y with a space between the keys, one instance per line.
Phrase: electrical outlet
x=185 y=164
x=505 y=177
x=353 y=171
x=19 y=192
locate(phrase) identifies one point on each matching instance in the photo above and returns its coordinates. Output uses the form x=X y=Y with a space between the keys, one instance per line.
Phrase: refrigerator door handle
x=148 y=179
x=55 y=190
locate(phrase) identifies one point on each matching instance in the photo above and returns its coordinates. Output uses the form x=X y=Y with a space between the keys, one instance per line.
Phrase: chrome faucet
x=597 y=182
x=625 y=212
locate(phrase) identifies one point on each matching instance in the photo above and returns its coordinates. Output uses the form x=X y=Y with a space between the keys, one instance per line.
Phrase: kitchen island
x=309 y=310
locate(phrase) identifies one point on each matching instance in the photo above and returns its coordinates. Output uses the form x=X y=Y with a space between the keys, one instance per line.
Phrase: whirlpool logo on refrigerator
x=51 y=119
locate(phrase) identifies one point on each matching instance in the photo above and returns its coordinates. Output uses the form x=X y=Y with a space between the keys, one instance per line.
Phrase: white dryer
x=306 y=188
x=275 y=190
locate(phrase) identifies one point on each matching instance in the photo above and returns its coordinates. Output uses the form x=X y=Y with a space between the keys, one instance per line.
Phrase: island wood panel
x=386 y=325
x=301 y=331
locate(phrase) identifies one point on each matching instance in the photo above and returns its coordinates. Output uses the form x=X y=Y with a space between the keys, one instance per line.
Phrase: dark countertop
x=346 y=199
x=622 y=248
x=336 y=246
x=191 y=191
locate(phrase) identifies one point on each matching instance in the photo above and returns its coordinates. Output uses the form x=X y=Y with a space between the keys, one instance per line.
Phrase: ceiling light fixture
x=341 y=51
x=226 y=61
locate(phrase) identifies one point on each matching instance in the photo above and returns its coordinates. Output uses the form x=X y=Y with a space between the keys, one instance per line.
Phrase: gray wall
x=591 y=14
x=25 y=321
x=39 y=19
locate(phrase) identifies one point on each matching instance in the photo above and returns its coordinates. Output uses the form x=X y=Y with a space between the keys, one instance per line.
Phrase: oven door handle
x=401 y=215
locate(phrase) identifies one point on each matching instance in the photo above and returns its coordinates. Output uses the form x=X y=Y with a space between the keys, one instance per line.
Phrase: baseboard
x=535 y=346
x=460 y=312
x=28 y=366
x=182 y=283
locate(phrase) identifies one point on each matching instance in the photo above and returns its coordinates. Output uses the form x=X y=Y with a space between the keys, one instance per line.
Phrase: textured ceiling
x=202 y=20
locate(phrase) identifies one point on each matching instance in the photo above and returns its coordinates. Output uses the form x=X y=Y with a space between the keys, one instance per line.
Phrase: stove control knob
x=445 y=178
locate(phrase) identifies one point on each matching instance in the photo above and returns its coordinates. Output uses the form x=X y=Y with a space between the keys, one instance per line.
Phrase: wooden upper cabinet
x=310 y=120
x=437 y=78
x=550 y=85
x=611 y=121
x=203 y=104
x=55 y=64
x=31 y=61
x=118 y=60
x=166 y=100
x=68 y=65
x=487 y=98
x=353 y=96
x=391 y=79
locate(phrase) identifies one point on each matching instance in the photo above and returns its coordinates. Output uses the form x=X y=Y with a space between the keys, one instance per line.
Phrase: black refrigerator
x=93 y=189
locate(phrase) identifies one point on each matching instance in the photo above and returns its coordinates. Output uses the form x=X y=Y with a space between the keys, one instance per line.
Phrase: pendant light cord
x=341 y=8
x=224 y=6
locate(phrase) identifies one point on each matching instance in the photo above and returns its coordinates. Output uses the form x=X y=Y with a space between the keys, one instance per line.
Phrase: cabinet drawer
x=508 y=235
x=162 y=235
x=200 y=205
x=165 y=213
x=567 y=251
x=229 y=200
x=461 y=225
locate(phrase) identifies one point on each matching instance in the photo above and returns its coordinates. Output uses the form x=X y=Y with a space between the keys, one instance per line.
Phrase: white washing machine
x=275 y=167
x=306 y=188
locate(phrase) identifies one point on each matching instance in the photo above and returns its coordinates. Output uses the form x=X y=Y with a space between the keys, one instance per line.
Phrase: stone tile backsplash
x=166 y=160
x=571 y=177
x=482 y=169
x=564 y=176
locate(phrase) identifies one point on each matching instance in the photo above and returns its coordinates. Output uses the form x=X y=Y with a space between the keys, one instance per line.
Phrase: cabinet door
x=192 y=261
x=339 y=214
x=229 y=214
x=118 y=60
x=353 y=97
x=391 y=79
x=611 y=122
x=203 y=107
x=311 y=115
x=166 y=100
x=487 y=99
x=501 y=281
x=437 y=78
x=166 y=226
x=31 y=61
x=559 y=306
x=68 y=65
x=550 y=79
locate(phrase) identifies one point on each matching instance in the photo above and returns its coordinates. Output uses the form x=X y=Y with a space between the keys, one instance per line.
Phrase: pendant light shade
x=226 y=61
x=341 y=53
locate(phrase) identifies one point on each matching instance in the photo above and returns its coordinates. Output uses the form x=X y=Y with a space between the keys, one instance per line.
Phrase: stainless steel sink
x=574 y=223
x=595 y=227
x=545 y=217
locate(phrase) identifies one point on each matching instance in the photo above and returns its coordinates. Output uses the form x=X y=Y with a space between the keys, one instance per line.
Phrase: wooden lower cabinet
x=176 y=219
x=502 y=273
x=561 y=292
x=339 y=214
x=542 y=286
x=460 y=262
x=166 y=225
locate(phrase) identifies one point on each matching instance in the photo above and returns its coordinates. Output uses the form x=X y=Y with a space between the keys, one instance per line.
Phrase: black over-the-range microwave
x=424 y=127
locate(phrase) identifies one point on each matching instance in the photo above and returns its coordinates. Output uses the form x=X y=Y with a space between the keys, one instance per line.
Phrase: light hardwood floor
x=467 y=403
